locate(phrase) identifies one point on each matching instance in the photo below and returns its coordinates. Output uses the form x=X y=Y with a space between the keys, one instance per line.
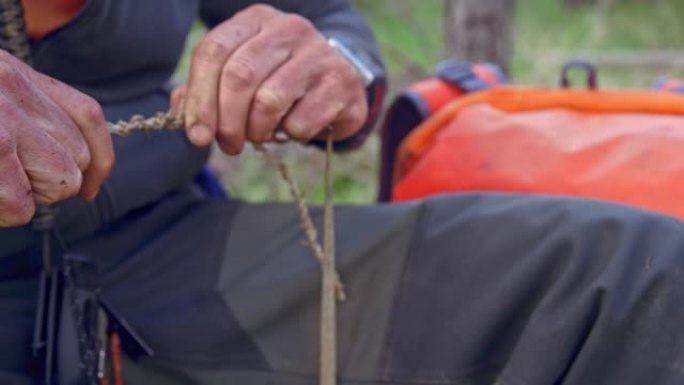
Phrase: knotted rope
x=13 y=38
x=331 y=285
x=171 y=121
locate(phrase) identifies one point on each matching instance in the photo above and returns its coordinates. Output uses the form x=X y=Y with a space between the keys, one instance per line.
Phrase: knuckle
x=298 y=24
x=99 y=172
x=335 y=79
x=105 y=164
x=239 y=74
x=61 y=181
x=358 y=113
x=82 y=156
x=67 y=186
x=350 y=76
x=16 y=209
x=270 y=102
x=92 y=113
x=210 y=49
x=340 y=71
x=259 y=10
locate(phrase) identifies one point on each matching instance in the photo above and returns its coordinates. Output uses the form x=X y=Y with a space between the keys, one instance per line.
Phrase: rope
x=328 y=360
x=13 y=36
x=14 y=39
x=158 y=122
x=171 y=121
x=331 y=284
x=310 y=232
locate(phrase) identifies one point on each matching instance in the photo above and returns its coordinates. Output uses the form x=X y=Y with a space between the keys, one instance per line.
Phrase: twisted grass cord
x=14 y=39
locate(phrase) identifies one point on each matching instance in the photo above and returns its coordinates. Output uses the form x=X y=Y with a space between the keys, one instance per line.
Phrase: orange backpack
x=466 y=130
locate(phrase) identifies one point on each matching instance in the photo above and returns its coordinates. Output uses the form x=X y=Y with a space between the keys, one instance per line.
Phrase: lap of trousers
x=458 y=289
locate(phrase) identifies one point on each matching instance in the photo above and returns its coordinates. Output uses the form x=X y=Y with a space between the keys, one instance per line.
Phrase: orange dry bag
x=619 y=146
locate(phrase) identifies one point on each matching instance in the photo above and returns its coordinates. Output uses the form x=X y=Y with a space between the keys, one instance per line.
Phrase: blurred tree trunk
x=479 y=30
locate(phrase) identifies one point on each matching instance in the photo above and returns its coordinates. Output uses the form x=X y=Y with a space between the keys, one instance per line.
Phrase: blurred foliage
x=410 y=34
x=547 y=34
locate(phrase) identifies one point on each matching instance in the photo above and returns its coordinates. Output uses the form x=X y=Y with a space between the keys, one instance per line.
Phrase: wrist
x=374 y=81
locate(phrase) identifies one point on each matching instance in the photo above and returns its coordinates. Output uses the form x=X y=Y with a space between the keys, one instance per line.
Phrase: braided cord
x=13 y=36
x=14 y=39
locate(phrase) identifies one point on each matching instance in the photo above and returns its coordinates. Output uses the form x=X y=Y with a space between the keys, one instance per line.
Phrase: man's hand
x=265 y=70
x=54 y=142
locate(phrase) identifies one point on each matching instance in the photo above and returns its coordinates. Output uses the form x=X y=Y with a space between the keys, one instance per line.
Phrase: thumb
x=177 y=99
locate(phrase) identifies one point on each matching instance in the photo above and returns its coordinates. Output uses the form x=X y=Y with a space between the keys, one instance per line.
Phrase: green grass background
x=410 y=34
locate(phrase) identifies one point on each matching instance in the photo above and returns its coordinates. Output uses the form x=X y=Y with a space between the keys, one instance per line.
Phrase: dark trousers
x=462 y=289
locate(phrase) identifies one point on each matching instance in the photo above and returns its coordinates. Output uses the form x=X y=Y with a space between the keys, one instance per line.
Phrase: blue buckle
x=460 y=74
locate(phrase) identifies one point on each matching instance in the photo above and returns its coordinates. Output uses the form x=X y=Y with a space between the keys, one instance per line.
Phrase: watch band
x=362 y=68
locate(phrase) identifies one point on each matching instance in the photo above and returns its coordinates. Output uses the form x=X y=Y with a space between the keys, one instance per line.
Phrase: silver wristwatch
x=374 y=80
x=361 y=67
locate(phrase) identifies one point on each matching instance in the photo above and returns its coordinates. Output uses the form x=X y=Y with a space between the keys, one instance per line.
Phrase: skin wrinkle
x=88 y=118
x=262 y=55
x=15 y=191
x=241 y=82
x=44 y=150
x=50 y=186
x=55 y=123
x=330 y=278
x=45 y=114
x=267 y=107
x=305 y=57
x=41 y=168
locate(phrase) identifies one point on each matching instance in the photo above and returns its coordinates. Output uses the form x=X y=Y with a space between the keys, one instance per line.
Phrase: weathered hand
x=54 y=142
x=265 y=70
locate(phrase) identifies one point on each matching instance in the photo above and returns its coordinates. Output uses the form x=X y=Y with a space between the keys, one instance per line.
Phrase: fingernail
x=200 y=134
x=229 y=148
x=296 y=130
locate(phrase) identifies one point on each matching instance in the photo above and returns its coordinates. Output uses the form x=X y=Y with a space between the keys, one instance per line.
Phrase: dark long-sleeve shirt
x=123 y=53
x=116 y=50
